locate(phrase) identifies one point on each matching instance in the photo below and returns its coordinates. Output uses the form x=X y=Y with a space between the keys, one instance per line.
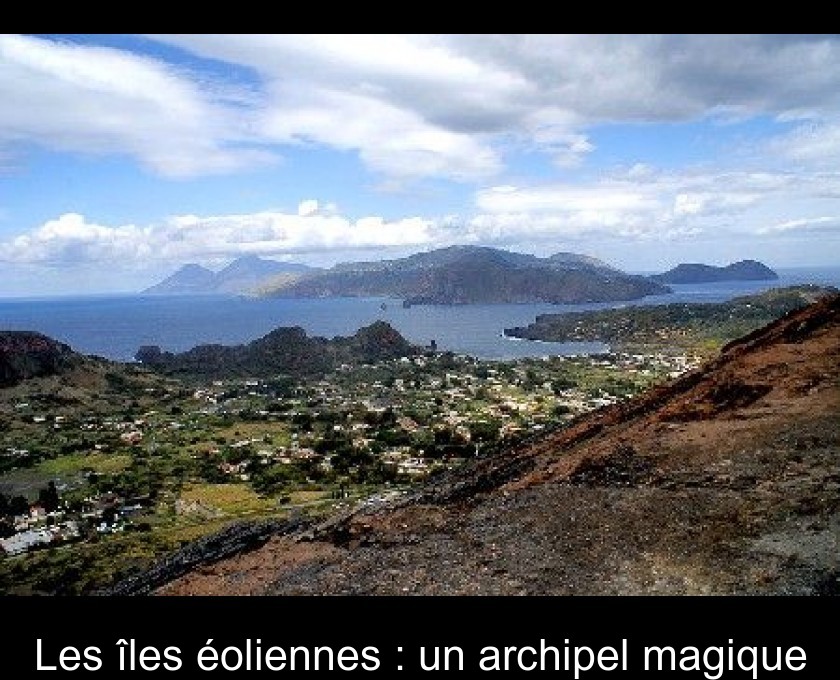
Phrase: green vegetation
x=677 y=327
x=227 y=499
x=76 y=463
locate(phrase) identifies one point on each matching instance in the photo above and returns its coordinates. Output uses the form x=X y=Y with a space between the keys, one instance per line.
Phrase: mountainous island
x=451 y=276
x=243 y=275
x=471 y=275
x=744 y=270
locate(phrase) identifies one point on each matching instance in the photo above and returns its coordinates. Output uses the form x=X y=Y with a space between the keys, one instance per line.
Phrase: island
x=744 y=270
x=460 y=275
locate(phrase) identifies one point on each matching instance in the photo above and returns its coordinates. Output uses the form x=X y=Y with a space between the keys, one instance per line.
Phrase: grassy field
x=73 y=464
x=273 y=434
x=230 y=499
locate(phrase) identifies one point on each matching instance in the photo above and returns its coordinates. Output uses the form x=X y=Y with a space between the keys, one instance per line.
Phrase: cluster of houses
x=106 y=513
x=39 y=528
x=465 y=393
x=461 y=394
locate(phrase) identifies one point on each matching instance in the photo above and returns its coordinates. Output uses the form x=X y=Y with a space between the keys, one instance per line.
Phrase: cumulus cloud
x=307 y=207
x=645 y=204
x=641 y=205
x=410 y=106
x=69 y=240
x=91 y=99
x=72 y=240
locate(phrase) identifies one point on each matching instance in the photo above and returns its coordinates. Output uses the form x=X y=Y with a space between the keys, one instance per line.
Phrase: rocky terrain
x=282 y=351
x=25 y=355
x=724 y=481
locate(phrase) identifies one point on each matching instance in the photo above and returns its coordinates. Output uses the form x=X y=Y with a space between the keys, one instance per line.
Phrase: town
x=172 y=462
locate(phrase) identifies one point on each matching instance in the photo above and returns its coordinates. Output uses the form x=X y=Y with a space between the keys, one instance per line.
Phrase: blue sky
x=123 y=157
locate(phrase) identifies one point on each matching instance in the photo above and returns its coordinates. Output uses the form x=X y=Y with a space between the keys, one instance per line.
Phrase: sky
x=123 y=157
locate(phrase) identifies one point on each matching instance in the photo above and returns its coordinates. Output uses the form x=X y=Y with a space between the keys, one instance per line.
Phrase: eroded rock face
x=25 y=354
x=232 y=540
x=283 y=350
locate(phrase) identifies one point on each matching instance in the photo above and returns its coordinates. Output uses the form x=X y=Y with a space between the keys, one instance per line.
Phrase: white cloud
x=633 y=213
x=411 y=106
x=817 y=224
x=389 y=139
x=70 y=240
x=641 y=205
x=815 y=144
x=308 y=207
x=445 y=106
x=644 y=204
x=99 y=100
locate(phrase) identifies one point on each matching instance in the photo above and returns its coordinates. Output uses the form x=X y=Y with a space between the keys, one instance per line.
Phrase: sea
x=115 y=326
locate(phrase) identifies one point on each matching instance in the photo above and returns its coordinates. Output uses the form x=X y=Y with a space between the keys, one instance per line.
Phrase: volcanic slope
x=724 y=481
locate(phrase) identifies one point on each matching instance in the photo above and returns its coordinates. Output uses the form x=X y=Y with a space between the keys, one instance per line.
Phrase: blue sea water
x=115 y=326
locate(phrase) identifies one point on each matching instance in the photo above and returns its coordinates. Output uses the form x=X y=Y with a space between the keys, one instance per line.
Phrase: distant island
x=456 y=275
x=243 y=275
x=473 y=275
x=745 y=270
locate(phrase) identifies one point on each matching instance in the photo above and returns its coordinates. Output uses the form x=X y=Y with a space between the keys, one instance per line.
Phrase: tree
x=48 y=498
x=484 y=431
x=561 y=409
x=18 y=505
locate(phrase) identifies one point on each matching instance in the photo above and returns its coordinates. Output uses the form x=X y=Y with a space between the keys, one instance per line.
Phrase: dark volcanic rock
x=282 y=351
x=230 y=541
x=25 y=354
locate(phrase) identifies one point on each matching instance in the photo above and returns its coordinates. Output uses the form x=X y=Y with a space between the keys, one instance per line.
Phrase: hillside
x=25 y=355
x=470 y=274
x=724 y=481
x=672 y=326
x=243 y=275
x=282 y=351
x=745 y=270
